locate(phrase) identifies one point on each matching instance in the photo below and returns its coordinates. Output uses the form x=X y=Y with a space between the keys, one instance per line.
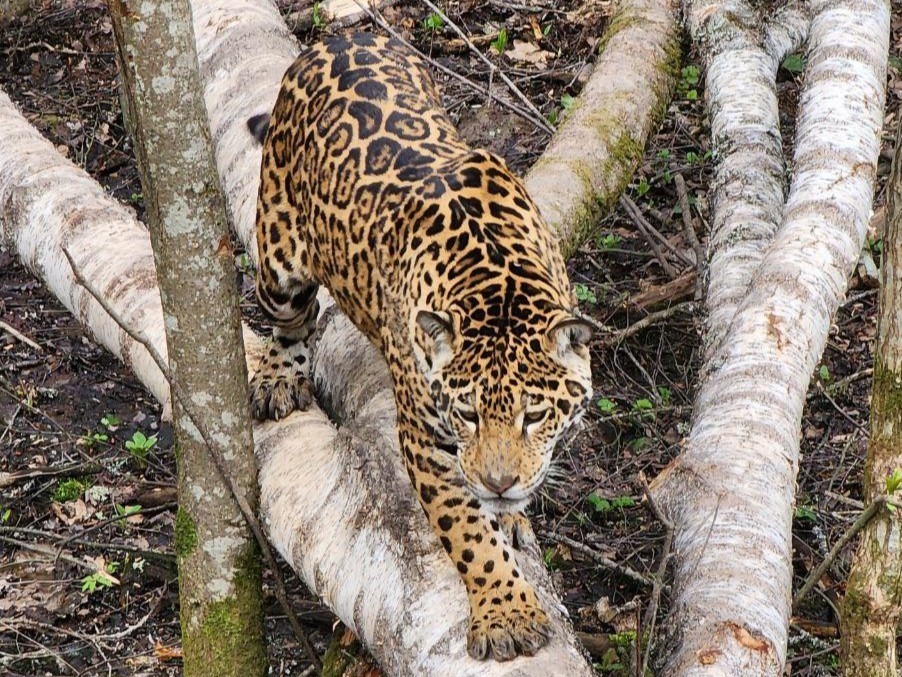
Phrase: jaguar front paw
x=275 y=393
x=518 y=531
x=502 y=628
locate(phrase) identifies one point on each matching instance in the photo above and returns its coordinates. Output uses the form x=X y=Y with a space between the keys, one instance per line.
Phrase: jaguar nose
x=499 y=483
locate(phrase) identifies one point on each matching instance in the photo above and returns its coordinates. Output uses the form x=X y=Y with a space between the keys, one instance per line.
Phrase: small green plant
x=100 y=579
x=244 y=263
x=110 y=422
x=552 y=117
x=5 y=515
x=94 y=438
x=499 y=44
x=824 y=373
x=665 y=395
x=894 y=481
x=69 y=490
x=896 y=62
x=875 y=244
x=664 y=155
x=608 y=242
x=567 y=103
x=803 y=512
x=139 y=447
x=127 y=510
x=642 y=187
x=606 y=406
x=604 y=506
x=546 y=29
x=794 y=63
x=433 y=22
x=319 y=21
x=689 y=79
x=692 y=157
x=585 y=294
x=136 y=198
x=548 y=556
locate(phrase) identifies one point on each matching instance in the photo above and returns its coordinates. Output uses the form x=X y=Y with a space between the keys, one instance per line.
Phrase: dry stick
x=638 y=215
x=649 y=320
x=15 y=333
x=598 y=558
x=859 y=524
x=689 y=230
x=380 y=21
x=646 y=229
x=50 y=552
x=164 y=557
x=651 y=612
x=215 y=455
x=7 y=479
x=492 y=67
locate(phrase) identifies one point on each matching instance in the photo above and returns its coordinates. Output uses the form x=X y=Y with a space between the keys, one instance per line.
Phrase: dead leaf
x=166 y=653
x=528 y=52
x=71 y=512
x=536 y=28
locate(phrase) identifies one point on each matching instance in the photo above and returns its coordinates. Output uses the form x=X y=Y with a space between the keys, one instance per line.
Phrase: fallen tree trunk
x=730 y=494
x=595 y=151
x=336 y=500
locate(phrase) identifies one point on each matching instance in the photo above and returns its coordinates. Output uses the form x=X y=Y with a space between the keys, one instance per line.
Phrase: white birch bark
x=742 y=51
x=47 y=203
x=597 y=148
x=731 y=492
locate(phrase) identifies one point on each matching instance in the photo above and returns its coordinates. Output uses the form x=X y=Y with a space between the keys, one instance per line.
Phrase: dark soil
x=67 y=409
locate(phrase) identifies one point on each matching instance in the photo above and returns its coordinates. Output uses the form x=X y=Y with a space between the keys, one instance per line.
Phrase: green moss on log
x=223 y=638
x=185 y=534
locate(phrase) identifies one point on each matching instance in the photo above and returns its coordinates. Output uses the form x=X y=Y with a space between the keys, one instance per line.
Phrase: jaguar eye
x=469 y=415
x=531 y=418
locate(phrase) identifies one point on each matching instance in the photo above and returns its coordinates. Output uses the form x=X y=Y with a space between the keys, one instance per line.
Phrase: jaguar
x=439 y=256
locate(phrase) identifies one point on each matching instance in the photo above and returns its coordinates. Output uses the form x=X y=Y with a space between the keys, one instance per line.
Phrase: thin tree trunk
x=220 y=591
x=335 y=500
x=596 y=150
x=730 y=494
x=873 y=599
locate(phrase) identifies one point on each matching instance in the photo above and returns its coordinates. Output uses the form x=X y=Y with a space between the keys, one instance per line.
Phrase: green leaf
x=583 y=293
x=690 y=75
x=606 y=405
x=433 y=22
x=126 y=510
x=824 y=373
x=623 y=502
x=692 y=95
x=664 y=154
x=643 y=405
x=896 y=62
x=499 y=44
x=894 y=481
x=805 y=513
x=665 y=395
x=794 y=63
x=110 y=420
x=567 y=102
x=5 y=516
x=600 y=504
x=642 y=187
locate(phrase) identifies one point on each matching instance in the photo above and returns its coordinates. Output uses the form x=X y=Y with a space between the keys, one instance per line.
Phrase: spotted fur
x=436 y=252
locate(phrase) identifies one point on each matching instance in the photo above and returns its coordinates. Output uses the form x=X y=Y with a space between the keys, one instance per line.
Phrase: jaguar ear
x=570 y=339
x=434 y=340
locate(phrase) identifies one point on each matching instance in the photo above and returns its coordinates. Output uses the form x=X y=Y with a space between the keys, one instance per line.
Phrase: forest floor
x=82 y=445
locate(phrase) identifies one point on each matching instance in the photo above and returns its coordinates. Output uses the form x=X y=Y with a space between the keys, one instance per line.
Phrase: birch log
x=742 y=51
x=336 y=501
x=597 y=148
x=730 y=494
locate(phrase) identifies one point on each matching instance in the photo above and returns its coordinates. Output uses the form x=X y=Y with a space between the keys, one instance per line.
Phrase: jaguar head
x=505 y=397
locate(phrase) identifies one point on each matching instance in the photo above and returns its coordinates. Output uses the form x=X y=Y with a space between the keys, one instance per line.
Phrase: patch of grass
x=69 y=489
x=499 y=44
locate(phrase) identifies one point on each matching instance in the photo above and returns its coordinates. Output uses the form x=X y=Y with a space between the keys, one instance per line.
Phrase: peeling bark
x=220 y=594
x=730 y=494
x=873 y=599
x=596 y=150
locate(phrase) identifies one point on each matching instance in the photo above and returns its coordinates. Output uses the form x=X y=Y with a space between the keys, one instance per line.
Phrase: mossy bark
x=873 y=599
x=218 y=559
x=594 y=154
